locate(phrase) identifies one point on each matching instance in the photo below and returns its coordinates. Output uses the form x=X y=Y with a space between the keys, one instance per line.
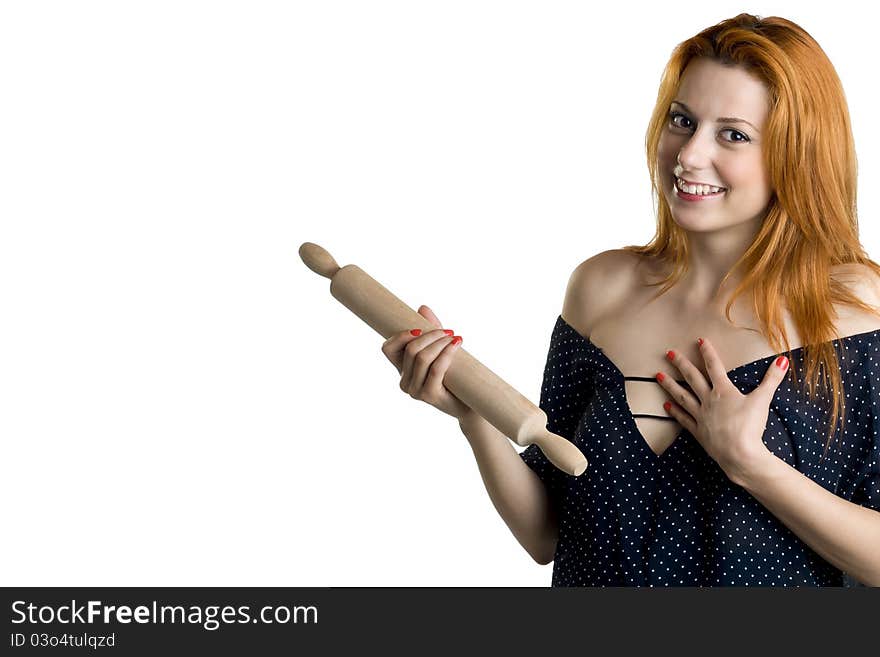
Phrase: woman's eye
x=740 y=137
x=675 y=115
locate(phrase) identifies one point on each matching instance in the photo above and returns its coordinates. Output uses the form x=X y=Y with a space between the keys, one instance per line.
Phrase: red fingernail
x=456 y=339
x=670 y=354
x=667 y=406
x=700 y=340
x=448 y=331
x=416 y=331
x=782 y=362
x=660 y=376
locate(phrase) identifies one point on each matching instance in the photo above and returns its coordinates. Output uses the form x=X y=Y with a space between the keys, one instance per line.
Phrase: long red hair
x=811 y=219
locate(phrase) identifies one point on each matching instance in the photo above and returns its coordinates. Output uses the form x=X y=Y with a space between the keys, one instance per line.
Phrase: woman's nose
x=696 y=151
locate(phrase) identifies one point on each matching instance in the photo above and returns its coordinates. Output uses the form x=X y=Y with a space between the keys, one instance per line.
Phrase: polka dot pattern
x=638 y=519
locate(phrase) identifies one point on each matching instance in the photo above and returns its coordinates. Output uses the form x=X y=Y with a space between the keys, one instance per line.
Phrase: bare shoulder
x=864 y=283
x=596 y=285
x=860 y=279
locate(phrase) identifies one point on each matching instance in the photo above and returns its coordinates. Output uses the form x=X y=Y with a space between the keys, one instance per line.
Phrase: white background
x=182 y=402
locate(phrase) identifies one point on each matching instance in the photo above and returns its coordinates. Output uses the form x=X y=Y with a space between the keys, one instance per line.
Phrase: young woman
x=719 y=454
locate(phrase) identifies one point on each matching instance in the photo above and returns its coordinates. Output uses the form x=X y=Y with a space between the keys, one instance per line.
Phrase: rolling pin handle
x=561 y=453
x=318 y=259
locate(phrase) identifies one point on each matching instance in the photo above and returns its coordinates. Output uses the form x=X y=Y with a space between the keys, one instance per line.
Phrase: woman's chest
x=635 y=340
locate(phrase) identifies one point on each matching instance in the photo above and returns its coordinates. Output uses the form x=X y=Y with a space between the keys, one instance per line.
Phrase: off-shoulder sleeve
x=867 y=490
x=565 y=391
x=859 y=443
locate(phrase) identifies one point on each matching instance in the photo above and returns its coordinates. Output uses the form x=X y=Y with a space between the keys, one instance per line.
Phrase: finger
x=428 y=314
x=410 y=353
x=682 y=417
x=428 y=377
x=714 y=367
x=699 y=386
x=684 y=397
x=441 y=365
x=774 y=375
x=393 y=347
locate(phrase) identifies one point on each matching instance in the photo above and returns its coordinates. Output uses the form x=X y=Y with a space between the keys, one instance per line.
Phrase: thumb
x=428 y=314
x=774 y=375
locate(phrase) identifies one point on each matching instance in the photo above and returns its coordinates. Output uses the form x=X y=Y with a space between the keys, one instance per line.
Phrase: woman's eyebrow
x=720 y=119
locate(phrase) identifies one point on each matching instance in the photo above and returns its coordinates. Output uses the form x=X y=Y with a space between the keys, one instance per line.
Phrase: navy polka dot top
x=638 y=519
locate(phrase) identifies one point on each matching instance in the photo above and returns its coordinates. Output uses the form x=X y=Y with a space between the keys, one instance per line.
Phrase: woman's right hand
x=422 y=361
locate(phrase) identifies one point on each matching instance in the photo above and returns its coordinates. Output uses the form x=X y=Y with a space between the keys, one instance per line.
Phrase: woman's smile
x=685 y=196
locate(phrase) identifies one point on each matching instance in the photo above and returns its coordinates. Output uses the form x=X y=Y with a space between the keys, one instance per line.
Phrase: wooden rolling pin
x=467 y=378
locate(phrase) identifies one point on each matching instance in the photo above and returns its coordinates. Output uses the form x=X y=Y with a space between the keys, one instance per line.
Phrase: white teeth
x=697 y=189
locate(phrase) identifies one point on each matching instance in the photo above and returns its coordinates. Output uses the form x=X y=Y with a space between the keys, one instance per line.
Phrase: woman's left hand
x=728 y=424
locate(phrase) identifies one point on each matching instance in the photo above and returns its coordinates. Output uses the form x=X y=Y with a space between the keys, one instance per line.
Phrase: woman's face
x=699 y=147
